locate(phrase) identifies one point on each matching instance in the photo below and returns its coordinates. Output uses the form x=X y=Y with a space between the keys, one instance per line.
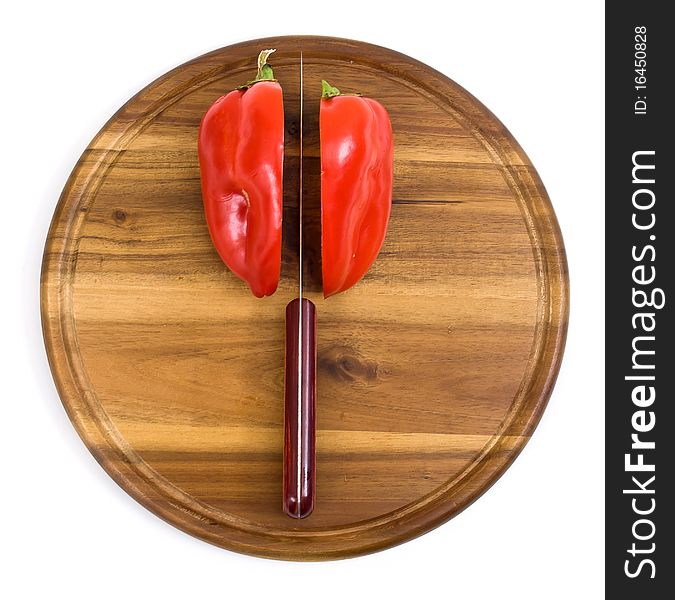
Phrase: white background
x=68 y=531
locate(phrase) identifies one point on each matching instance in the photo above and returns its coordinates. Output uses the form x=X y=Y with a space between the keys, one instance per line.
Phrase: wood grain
x=432 y=372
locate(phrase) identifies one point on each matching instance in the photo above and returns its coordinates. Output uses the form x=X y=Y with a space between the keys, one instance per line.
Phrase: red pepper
x=241 y=152
x=357 y=166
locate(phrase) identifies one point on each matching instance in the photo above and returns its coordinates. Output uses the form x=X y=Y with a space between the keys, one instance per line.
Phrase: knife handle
x=300 y=409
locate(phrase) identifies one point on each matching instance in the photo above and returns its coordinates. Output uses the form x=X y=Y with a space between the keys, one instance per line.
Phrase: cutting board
x=433 y=371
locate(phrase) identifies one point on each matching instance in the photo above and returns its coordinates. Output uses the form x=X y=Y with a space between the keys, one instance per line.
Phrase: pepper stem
x=265 y=72
x=327 y=90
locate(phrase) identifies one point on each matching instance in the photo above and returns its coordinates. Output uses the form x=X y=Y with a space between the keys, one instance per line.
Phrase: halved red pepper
x=241 y=152
x=357 y=166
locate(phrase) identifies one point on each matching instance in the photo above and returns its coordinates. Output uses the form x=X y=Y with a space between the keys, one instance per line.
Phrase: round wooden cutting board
x=432 y=372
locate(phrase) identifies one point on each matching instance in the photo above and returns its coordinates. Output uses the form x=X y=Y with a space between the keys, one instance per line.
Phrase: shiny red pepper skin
x=241 y=150
x=357 y=165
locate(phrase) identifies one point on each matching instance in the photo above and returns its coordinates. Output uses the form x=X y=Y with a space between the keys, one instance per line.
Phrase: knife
x=300 y=382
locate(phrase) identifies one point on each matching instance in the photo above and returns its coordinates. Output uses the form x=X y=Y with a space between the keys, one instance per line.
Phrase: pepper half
x=357 y=167
x=241 y=153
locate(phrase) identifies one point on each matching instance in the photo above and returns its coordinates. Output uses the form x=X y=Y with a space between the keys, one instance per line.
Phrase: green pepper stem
x=265 y=72
x=328 y=91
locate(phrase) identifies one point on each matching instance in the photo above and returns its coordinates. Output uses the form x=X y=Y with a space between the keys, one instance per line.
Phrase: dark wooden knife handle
x=300 y=410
